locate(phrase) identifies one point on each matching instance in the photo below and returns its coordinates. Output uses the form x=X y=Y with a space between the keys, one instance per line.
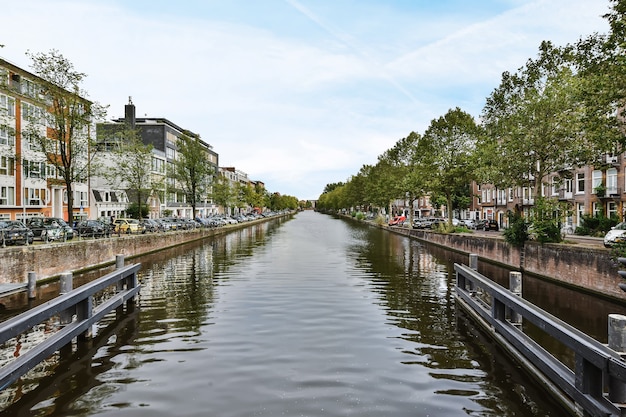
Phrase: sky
x=297 y=94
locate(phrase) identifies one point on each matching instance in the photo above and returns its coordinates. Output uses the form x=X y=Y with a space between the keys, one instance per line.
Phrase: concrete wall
x=587 y=268
x=50 y=260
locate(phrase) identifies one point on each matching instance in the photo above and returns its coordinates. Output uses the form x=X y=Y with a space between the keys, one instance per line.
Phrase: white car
x=616 y=234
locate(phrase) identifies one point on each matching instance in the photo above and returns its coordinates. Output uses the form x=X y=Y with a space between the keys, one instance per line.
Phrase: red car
x=397 y=221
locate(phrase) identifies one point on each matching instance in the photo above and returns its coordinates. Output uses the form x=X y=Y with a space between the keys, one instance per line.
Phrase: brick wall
x=587 y=268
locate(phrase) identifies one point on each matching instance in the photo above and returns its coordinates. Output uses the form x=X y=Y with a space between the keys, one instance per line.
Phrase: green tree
x=448 y=144
x=534 y=122
x=132 y=166
x=601 y=61
x=60 y=127
x=221 y=192
x=192 y=169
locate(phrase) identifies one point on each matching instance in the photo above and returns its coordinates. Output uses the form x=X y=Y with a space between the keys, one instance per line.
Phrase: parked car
x=91 y=228
x=436 y=221
x=69 y=232
x=487 y=224
x=150 y=225
x=163 y=225
x=128 y=226
x=45 y=229
x=615 y=235
x=470 y=223
x=14 y=232
x=397 y=221
x=421 y=223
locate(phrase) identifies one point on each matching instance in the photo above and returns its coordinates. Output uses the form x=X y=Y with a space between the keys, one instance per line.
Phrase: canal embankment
x=584 y=267
x=50 y=260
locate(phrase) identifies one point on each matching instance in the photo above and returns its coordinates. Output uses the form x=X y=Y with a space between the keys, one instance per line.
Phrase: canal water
x=306 y=316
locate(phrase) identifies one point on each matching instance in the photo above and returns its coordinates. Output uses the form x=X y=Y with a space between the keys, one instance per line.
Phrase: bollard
x=119 y=261
x=65 y=286
x=32 y=285
x=473 y=261
x=515 y=286
x=617 y=342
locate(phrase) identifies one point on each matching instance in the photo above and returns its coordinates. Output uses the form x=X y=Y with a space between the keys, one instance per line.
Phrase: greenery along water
x=312 y=316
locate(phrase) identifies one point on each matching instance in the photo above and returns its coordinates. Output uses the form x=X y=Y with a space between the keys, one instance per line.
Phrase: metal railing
x=597 y=386
x=78 y=307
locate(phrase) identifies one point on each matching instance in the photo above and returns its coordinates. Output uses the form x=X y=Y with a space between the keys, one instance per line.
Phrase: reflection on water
x=311 y=316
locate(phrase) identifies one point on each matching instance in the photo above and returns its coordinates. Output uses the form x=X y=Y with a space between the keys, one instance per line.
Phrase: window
x=11 y=108
x=580 y=210
x=611 y=209
x=596 y=179
x=29 y=88
x=80 y=199
x=7 y=196
x=596 y=209
x=170 y=153
x=34 y=169
x=7 y=165
x=611 y=181
x=7 y=137
x=158 y=165
x=580 y=183
x=568 y=185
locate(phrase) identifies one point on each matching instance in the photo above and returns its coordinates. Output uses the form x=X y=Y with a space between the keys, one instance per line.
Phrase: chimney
x=129 y=113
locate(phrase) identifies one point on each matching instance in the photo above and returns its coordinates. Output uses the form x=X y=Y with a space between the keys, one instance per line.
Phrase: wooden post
x=32 y=285
x=65 y=286
x=617 y=342
x=515 y=286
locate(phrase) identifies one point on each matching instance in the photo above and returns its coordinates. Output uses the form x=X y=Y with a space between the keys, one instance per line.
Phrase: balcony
x=609 y=193
x=609 y=159
x=566 y=195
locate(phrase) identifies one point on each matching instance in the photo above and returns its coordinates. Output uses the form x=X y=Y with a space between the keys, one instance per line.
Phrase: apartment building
x=29 y=184
x=588 y=190
x=163 y=135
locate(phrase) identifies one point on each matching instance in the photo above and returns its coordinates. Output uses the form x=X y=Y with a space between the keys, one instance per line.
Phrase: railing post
x=588 y=378
x=473 y=264
x=515 y=286
x=119 y=263
x=84 y=311
x=617 y=342
x=66 y=284
x=32 y=285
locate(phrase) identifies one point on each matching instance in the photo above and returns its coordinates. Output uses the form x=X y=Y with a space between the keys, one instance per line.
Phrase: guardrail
x=77 y=314
x=597 y=386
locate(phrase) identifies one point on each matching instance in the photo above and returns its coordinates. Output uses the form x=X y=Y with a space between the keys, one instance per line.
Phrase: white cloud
x=306 y=93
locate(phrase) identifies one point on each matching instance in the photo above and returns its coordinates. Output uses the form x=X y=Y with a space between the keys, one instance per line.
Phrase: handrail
x=595 y=362
x=77 y=302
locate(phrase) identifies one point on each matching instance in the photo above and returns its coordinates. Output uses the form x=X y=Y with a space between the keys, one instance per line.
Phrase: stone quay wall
x=586 y=268
x=50 y=260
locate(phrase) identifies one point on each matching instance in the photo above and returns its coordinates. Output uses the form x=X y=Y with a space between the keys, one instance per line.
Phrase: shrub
x=517 y=232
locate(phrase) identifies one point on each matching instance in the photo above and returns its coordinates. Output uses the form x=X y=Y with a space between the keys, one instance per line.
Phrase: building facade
x=162 y=135
x=589 y=190
x=29 y=184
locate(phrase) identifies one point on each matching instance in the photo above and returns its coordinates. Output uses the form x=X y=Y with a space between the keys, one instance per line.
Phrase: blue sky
x=296 y=93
